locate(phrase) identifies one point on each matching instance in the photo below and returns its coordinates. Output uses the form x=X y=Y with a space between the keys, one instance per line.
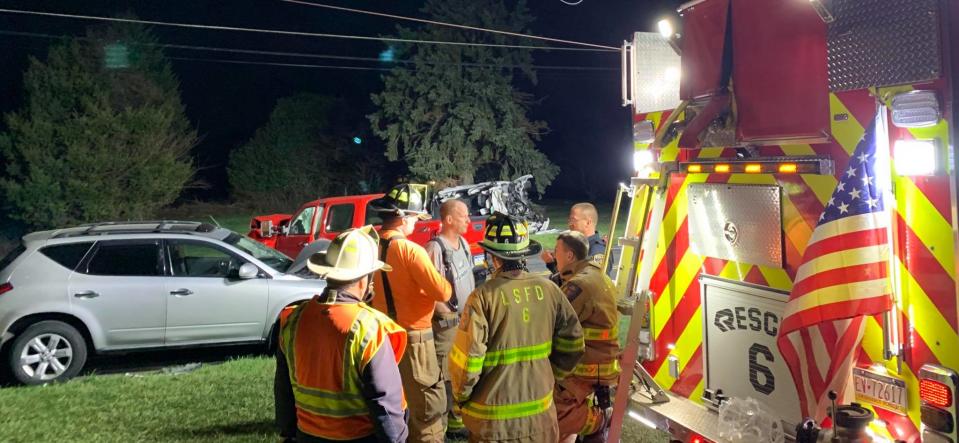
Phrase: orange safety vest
x=327 y=347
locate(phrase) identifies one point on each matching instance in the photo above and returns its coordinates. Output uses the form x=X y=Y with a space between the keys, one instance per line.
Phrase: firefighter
x=408 y=295
x=517 y=336
x=583 y=218
x=583 y=399
x=322 y=393
x=451 y=256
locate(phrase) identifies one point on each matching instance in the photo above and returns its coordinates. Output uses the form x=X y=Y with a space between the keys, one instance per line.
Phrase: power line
x=285 y=32
x=453 y=25
x=297 y=65
x=288 y=65
x=318 y=56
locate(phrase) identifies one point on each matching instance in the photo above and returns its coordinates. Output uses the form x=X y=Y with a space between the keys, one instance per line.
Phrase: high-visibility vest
x=327 y=347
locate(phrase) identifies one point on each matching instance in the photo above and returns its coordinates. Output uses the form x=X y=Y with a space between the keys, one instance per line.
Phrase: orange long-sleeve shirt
x=414 y=282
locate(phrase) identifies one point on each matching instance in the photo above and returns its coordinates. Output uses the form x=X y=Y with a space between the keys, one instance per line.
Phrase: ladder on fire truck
x=644 y=190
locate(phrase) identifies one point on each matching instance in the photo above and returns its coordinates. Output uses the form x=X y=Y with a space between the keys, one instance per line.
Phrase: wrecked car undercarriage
x=509 y=197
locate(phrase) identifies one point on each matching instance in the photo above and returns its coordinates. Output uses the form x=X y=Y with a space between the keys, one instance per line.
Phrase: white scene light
x=915 y=157
x=665 y=28
x=643 y=161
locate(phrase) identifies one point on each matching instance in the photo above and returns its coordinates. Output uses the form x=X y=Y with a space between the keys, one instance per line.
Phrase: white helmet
x=351 y=255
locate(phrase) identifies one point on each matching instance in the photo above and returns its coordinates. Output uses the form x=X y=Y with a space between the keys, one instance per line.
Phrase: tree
x=96 y=140
x=454 y=110
x=305 y=150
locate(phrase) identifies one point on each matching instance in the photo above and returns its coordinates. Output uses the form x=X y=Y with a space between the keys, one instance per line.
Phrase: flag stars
x=867 y=180
x=854 y=194
x=850 y=172
x=843 y=208
x=841 y=186
x=863 y=157
x=832 y=202
x=872 y=202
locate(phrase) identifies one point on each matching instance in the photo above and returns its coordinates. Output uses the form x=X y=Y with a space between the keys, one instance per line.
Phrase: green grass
x=558 y=213
x=229 y=402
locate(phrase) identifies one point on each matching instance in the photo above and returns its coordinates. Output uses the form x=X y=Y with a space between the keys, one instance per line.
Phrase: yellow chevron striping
x=927 y=320
x=683 y=276
x=710 y=152
x=697 y=394
x=689 y=340
x=926 y=221
x=675 y=216
x=821 y=185
x=735 y=271
x=798 y=150
x=776 y=278
x=847 y=132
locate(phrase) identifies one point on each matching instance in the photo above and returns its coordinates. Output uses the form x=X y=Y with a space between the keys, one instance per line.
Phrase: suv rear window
x=67 y=255
x=129 y=259
x=12 y=255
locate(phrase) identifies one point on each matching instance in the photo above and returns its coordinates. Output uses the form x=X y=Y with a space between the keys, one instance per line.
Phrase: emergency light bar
x=768 y=165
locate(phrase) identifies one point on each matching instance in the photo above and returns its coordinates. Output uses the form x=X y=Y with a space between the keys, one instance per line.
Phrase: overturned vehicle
x=509 y=197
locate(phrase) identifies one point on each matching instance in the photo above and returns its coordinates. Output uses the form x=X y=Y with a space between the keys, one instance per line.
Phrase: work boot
x=603 y=432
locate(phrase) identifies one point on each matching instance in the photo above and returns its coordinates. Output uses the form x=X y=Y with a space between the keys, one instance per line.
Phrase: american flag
x=841 y=281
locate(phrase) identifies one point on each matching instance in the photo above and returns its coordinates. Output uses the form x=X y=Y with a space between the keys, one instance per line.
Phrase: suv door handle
x=86 y=294
x=183 y=292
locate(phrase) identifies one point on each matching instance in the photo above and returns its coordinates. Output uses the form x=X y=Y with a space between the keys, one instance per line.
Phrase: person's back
x=517 y=335
x=336 y=372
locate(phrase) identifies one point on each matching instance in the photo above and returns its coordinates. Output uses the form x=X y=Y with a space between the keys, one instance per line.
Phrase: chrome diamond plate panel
x=883 y=43
x=742 y=223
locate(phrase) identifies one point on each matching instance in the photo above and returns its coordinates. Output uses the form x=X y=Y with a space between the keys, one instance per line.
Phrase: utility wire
x=453 y=25
x=288 y=65
x=285 y=32
x=304 y=65
x=319 y=56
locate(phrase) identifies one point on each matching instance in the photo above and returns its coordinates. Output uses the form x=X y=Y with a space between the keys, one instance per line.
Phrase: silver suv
x=124 y=286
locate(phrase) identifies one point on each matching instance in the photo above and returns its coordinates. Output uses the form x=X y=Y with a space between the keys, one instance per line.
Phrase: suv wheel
x=46 y=352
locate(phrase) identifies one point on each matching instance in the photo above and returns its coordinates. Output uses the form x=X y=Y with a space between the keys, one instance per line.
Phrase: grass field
x=228 y=402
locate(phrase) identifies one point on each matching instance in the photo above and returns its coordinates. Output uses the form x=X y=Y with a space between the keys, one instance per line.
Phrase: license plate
x=881 y=390
x=479 y=260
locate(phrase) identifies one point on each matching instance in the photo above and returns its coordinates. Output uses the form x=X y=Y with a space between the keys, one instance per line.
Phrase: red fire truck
x=746 y=116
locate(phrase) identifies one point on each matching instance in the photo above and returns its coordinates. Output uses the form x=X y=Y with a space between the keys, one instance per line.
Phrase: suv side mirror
x=248 y=271
x=266 y=228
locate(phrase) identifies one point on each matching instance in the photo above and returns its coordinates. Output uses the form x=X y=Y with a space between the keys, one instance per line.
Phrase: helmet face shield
x=508 y=238
x=406 y=200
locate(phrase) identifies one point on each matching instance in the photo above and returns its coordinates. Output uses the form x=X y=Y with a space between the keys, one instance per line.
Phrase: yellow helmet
x=351 y=255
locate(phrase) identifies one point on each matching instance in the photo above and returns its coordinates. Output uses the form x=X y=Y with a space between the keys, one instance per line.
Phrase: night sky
x=590 y=130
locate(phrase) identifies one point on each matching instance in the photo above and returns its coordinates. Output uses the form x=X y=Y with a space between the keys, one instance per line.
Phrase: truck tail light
x=754 y=168
x=937 y=390
x=788 y=168
x=6 y=287
x=935 y=393
x=937 y=419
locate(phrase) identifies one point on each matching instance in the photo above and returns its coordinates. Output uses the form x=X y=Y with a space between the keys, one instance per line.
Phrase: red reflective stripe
x=928 y=273
x=691 y=376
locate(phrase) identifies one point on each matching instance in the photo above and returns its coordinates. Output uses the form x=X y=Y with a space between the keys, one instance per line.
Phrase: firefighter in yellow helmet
x=337 y=377
x=518 y=334
x=583 y=398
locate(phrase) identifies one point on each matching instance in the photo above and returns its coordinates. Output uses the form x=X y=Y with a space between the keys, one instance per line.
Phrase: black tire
x=69 y=351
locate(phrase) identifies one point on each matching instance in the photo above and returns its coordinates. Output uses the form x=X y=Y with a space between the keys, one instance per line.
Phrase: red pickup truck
x=326 y=217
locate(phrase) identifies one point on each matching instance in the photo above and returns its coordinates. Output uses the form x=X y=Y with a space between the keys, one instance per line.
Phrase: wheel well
x=22 y=324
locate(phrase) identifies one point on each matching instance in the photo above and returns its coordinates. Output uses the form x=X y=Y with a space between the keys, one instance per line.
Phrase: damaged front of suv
x=509 y=197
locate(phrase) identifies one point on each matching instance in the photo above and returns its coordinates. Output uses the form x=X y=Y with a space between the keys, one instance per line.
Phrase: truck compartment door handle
x=86 y=294
x=181 y=292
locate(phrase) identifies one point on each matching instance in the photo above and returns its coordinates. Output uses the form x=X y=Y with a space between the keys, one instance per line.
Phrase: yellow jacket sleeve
x=568 y=343
x=468 y=351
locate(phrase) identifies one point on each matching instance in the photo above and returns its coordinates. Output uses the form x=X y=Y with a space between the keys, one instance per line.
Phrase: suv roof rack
x=136 y=227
